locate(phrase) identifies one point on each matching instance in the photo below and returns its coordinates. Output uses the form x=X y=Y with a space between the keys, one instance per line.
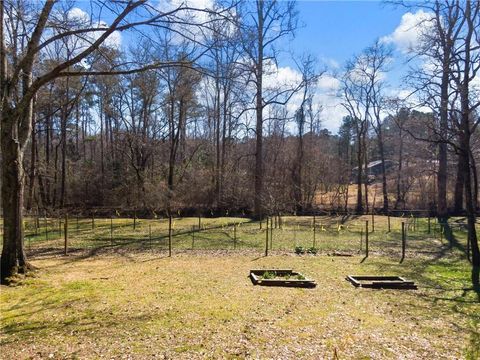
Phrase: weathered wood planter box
x=381 y=282
x=284 y=277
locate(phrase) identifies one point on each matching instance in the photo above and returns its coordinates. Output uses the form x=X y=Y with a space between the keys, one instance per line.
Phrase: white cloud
x=78 y=15
x=183 y=13
x=283 y=77
x=333 y=112
x=325 y=95
x=408 y=33
x=190 y=18
x=81 y=19
x=328 y=82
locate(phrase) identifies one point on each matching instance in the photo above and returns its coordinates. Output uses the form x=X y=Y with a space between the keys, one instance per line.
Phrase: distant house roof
x=373 y=164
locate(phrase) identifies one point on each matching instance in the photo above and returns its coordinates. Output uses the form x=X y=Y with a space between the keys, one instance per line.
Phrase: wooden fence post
x=65 y=247
x=388 y=219
x=111 y=230
x=36 y=223
x=295 y=234
x=46 y=227
x=234 y=236
x=314 y=230
x=150 y=234
x=271 y=233
x=134 y=220
x=366 y=238
x=193 y=237
x=266 y=238
x=403 y=242
x=373 y=222
x=170 y=236
x=361 y=240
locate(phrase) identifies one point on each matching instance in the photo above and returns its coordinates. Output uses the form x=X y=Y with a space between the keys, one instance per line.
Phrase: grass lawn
x=202 y=305
x=118 y=295
x=326 y=233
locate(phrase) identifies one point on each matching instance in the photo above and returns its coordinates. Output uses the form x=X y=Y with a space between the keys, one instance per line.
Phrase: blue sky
x=339 y=29
x=334 y=31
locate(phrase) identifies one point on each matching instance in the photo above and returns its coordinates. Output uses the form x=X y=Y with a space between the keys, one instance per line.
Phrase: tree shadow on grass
x=452 y=240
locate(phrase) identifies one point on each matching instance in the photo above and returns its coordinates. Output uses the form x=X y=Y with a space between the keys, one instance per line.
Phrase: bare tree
x=264 y=26
x=302 y=116
x=377 y=58
x=466 y=66
x=18 y=87
x=438 y=36
x=360 y=92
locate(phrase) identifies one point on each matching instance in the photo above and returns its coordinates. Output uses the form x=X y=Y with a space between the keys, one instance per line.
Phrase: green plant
x=269 y=275
x=299 y=250
x=312 y=250
x=300 y=277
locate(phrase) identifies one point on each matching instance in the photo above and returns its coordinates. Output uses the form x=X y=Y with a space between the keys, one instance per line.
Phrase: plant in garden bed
x=269 y=275
x=299 y=250
x=312 y=250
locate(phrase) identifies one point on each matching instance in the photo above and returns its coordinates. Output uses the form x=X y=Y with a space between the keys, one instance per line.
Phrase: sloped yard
x=202 y=305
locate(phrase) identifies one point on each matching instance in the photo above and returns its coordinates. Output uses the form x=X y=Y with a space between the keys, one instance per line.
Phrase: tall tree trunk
x=33 y=164
x=14 y=135
x=466 y=135
x=384 y=171
x=365 y=164
x=13 y=254
x=469 y=202
x=258 y=196
x=63 y=141
x=475 y=180
x=359 y=207
x=399 y=169
x=459 y=184
x=217 y=120
x=102 y=160
x=298 y=163
x=442 y=148
x=48 y=137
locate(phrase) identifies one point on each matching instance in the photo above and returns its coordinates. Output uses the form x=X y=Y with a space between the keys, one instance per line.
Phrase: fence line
x=323 y=233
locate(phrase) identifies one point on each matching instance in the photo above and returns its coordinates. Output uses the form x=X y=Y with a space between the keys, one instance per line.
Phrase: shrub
x=313 y=250
x=299 y=250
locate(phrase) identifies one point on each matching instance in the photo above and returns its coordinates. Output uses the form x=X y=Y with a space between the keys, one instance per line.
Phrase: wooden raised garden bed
x=284 y=277
x=381 y=282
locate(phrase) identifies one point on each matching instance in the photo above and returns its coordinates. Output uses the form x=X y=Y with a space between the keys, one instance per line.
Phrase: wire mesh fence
x=321 y=234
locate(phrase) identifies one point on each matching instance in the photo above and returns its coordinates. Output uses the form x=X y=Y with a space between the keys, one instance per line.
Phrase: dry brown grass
x=202 y=305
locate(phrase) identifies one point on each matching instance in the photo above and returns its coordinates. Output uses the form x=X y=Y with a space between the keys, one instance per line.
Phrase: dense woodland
x=186 y=115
